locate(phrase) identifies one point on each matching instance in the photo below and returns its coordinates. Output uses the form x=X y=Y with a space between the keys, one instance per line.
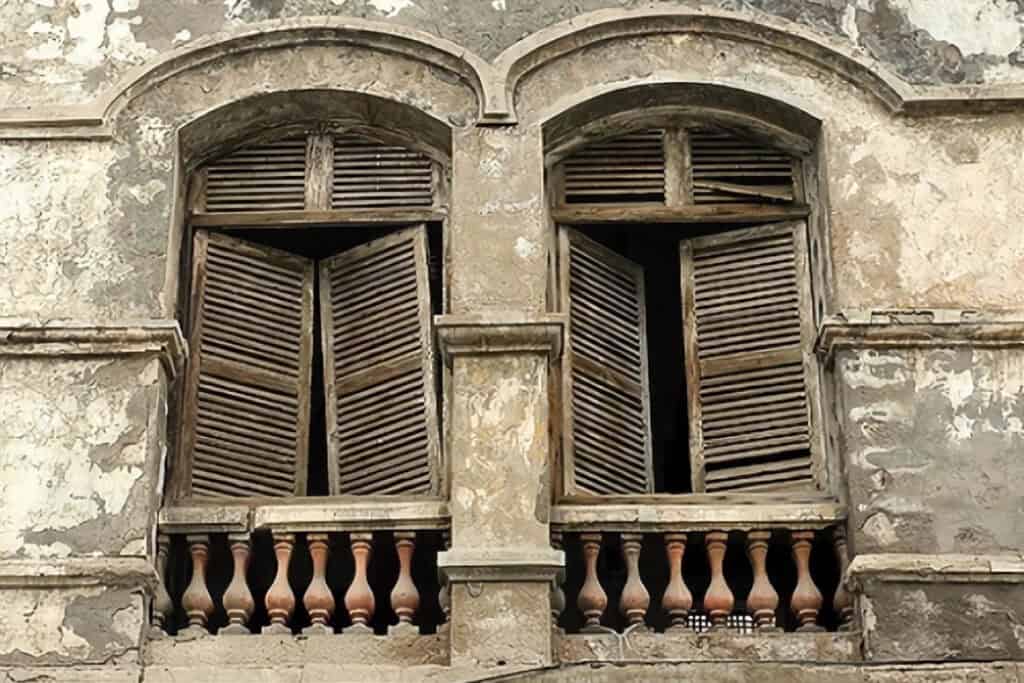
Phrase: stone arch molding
x=495 y=82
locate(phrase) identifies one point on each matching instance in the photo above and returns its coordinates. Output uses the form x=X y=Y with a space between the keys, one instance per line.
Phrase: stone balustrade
x=732 y=569
x=314 y=569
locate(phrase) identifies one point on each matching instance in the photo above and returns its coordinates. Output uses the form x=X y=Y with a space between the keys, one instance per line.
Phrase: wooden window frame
x=316 y=214
x=678 y=209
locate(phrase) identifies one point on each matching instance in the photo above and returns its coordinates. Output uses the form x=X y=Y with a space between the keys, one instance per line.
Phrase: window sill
x=307 y=515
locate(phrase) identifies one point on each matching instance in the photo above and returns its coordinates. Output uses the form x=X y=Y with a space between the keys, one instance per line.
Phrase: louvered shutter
x=627 y=169
x=748 y=349
x=372 y=174
x=379 y=367
x=730 y=169
x=247 y=405
x=607 y=433
x=264 y=177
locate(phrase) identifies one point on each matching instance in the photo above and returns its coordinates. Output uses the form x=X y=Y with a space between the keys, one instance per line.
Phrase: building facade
x=529 y=341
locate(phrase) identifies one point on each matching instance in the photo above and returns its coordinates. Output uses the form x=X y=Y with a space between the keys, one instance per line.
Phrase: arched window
x=315 y=272
x=683 y=267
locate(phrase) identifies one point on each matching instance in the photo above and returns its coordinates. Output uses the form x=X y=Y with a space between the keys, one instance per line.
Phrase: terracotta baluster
x=806 y=601
x=196 y=600
x=718 y=600
x=592 y=599
x=405 y=598
x=318 y=599
x=557 y=592
x=444 y=595
x=359 y=599
x=162 y=606
x=238 y=601
x=763 y=599
x=843 y=601
x=677 y=600
x=635 y=599
x=280 y=599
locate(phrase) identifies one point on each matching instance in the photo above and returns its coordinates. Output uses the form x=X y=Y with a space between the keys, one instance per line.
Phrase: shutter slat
x=745 y=349
x=729 y=169
x=368 y=173
x=247 y=399
x=629 y=169
x=378 y=364
x=264 y=177
x=607 y=409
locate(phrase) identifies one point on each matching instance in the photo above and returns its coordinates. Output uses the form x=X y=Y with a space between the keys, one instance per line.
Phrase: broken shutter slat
x=247 y=397
x=607 y=429
x=748 y=342
x=727 y=168
x=379 y=368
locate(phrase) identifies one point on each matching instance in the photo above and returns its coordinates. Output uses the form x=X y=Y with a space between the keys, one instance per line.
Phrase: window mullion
x=319 y=171
x=678 y=174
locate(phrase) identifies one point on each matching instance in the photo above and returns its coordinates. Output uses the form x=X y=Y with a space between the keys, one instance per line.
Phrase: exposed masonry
x=920 y=337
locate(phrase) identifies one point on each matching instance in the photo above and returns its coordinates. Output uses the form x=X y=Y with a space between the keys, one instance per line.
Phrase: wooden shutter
x=247 y=404
x=627 y=169
x=265 y=177
x=607 y=432
x=371 y=174
x=379 y=367
x=728 y=169
x=748 y=344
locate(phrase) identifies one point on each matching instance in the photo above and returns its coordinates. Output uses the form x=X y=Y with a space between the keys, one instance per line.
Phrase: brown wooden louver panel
x=626 y=169
x=379 y=367
x=607 y=420
x=748 y=349
x=729 y=169
x=371 y=174
x=247 y=404
x=266 y=177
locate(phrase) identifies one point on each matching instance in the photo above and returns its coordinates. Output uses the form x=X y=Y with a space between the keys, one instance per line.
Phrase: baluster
x=359 y=600
x=238 y=601
x=405 y=598
x=280 y=599
x=444 y=595
x=592 y=599
x=635 y=599
x=806 y=601
x=843 y=601
x=196 y=600
x=318 y=599
x=162 y=606
x=718 y=600
x=677 y=600
x=763 y=599
x=557 y=592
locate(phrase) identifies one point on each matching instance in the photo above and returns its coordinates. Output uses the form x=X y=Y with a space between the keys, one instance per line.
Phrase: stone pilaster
x=501 y=563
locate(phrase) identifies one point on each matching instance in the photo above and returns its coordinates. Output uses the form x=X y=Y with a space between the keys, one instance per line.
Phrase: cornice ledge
x=518 y=565
x=25 y=337
x=944 y=568
x=919 y=328
x=500 y=333
x=74 y=572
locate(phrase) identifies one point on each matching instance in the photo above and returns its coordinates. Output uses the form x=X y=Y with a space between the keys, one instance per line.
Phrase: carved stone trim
x=945 y=568
x=667 y=517
x=505 y=565
x=477 y=335
x=919 y=329
x=73 y=572
x=20 y=337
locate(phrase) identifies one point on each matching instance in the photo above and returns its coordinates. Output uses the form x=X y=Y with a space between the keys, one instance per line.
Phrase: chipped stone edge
x=940 y=568
x=22 y=337
x=919 y=328
x=498 y=333
x=503 y=565
x=656 y=518
x=73 y=572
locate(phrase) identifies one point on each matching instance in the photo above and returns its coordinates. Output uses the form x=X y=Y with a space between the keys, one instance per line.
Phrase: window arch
x=685 y=271
x=315 y=272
